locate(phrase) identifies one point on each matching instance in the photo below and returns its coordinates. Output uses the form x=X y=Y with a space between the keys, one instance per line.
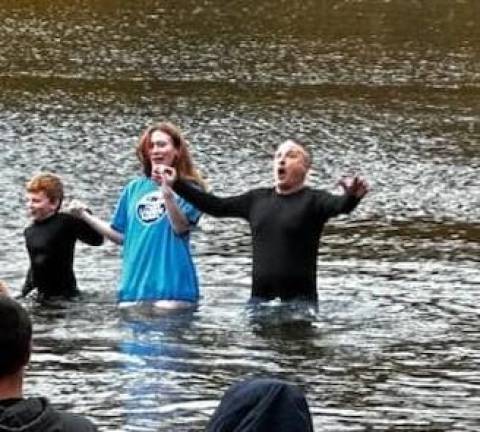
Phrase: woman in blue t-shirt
x=153 y=225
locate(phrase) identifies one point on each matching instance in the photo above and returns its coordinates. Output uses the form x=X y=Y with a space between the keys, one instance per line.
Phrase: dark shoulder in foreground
x=76 y=423
x=262 y=405
x=36 y=414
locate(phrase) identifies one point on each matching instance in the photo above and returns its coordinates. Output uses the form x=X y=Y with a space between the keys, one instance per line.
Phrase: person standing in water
x=153 y=225
x=286 y=222
x=50 y=240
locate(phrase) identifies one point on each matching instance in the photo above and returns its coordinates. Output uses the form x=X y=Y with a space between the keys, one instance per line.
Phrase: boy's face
x=39 y=205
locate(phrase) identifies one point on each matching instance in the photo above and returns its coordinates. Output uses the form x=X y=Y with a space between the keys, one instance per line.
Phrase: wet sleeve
x=234 y=206
x=330 y=205
x=87 y=234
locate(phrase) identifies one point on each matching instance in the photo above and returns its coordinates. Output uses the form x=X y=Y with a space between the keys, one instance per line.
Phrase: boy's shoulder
x=64 y=217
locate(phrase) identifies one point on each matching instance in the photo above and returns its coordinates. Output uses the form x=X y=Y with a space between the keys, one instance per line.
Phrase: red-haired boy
x=50 y=240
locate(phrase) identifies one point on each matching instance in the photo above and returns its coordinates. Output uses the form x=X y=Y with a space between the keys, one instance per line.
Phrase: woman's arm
x=177 y=218
x=102 y=227
x=80 y=209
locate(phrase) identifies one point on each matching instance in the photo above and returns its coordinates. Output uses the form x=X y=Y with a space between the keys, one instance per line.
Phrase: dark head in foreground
x=17 y=413
x=262 y=405
x=15 y=337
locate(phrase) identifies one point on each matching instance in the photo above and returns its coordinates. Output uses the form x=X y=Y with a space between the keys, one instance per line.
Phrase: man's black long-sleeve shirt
x=286 y=232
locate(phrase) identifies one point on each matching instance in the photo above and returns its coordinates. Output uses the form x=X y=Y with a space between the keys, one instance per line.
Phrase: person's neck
x=289 y=191
x=11 y=386
x=47 y=216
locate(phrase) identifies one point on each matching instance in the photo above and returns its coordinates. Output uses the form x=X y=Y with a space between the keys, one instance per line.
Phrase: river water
x=386 y=89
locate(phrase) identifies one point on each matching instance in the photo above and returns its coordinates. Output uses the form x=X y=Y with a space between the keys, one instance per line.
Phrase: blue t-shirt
x=157 y=263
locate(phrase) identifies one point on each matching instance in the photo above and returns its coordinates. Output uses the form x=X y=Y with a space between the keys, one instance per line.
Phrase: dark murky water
x=388 y=89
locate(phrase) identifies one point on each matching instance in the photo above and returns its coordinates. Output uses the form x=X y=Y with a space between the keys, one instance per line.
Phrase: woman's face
x=162 y=151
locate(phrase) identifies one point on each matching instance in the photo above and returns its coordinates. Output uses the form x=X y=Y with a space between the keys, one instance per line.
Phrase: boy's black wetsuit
x=51 y=245
x=286 y=232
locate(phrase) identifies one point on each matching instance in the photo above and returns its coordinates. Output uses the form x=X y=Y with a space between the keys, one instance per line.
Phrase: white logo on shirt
x=151 y=207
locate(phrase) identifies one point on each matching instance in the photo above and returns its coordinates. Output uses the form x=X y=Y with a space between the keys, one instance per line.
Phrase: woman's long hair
x=183 y=163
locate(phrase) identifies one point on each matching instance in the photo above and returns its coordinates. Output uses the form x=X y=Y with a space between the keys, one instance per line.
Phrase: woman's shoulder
x=137 y=182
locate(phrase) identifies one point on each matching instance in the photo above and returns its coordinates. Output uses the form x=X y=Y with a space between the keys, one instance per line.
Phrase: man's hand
x=356 y=186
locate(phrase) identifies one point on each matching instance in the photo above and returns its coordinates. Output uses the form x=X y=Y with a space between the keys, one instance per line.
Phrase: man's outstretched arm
x=234 y=206
x=355 y=188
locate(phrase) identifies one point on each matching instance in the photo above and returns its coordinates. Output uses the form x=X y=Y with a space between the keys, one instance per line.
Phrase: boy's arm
x=87 y=233
x=94 y=229
x=94 y=223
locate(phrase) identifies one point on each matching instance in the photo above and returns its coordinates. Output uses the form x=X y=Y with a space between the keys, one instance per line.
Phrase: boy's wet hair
x=48 y=183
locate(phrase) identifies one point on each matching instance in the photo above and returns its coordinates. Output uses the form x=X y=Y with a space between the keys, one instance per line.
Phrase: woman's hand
x=163 y=174
x=77 y=208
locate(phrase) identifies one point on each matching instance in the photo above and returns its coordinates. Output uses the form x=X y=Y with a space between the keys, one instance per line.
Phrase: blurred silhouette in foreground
x=17 y=413
x=262 y=405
